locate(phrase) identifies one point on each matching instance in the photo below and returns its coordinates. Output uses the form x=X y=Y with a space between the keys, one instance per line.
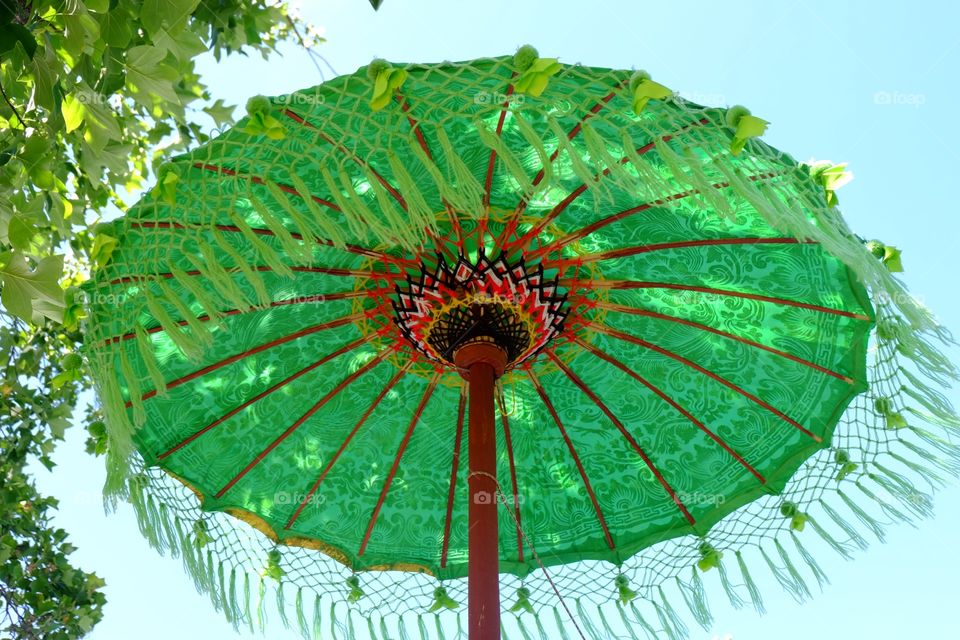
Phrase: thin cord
x=533 y=550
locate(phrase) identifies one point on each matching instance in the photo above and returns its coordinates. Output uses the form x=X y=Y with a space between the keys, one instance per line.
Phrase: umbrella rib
x=349 y=248
x=333 y=324
x=523 y=203
x=353 y=156
x=454 y=465
x=258 y=180
x=689 y=323
x=710 y=374
x=320 y=297
x=576 y=193
x=583 y=232
x=573 y=452
x=353 y=432
x=422 y=141
x=625 y=252
x=306 y=416
x=505 y=422
x=635 y=284
x=396 y=461
x=673 y=403
x=491 y=163
x=626 y=434
x=264 y=394
x=332 y=271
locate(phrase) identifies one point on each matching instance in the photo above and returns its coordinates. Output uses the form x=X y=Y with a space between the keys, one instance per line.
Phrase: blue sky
x=872 y=84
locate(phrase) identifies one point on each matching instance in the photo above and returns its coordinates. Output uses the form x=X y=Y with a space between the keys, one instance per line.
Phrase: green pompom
x=258 y=104
x=841 y=456
x=524 y=58
x=376 y=67
x=788 y=509
x=638 y=77
x=877 y=248
x=734 y=114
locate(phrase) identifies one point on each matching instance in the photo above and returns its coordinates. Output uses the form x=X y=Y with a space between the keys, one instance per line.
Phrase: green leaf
x=11 y=34
x=20 y=232
x=166 y=15
x=24 y=287
x=116 y=28
x=149 y=78
x=73 y=110
x=220 y=112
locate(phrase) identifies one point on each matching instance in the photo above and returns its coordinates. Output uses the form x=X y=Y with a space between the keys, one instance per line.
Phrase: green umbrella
x=509 y=324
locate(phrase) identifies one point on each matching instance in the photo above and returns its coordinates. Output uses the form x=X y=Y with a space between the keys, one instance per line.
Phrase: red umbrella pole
x=481 y=364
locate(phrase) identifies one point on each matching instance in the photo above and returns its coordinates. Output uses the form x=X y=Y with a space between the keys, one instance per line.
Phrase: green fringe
x=795 y=576
x=837 y=546
x=587 y=623
x=149 y=359
x=134 y=392
x=317 y=618
x=193 y=287
x=506 y=156
x=299 y=250
x=818 y=573
x=461 y=188
x=626 y=623
x=735 y=600
x=949 y=465
x=533 y=140
x=869 y=521
x=187 y=344
x=405 y=184
x=253 y=277
x=199 y=329
x=755 y=597
x=638 y=619
x=219 y=277
x=247 y=601
x=785 y=579
x=587 y=175
x=917 y=502
x=885 y=506
x=676 y=623
x=282 y=605
x=320 y=225
x=561 y=627
x=693 y=595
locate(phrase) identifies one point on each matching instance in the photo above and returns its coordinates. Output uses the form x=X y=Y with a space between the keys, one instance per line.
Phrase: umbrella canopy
x=682 y=315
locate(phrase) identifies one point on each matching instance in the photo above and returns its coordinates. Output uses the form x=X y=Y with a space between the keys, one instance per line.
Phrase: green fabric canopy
x=245 y=340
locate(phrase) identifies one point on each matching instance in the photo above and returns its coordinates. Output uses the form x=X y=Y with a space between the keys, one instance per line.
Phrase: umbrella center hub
x=509 y=305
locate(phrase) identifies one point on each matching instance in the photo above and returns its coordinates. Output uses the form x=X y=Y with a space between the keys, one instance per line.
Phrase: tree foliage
x=94 y=95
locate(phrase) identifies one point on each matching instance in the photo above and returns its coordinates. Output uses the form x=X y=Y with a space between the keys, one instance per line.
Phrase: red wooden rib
x=663 y=396
x=583 y=232
x=351 y=273
x=454 y=465
x=339 y=322
x=524 y=241
x=257 y=180
x=488 y=183
x=422 y=141
x=633 y=284
x=623 y=430
x=333 y=460
x=396 y=461
x=306 y=416
x=660 y=316
x=264 y=394
x=674 y=356
x=663 y=246
x=320 y=297
x=513 y=481
x=573 y=453
x=349 y=248
x=522 y=205
x=386 y=185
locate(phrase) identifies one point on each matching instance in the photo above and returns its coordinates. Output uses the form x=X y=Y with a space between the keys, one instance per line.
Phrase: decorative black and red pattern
x=447 y=306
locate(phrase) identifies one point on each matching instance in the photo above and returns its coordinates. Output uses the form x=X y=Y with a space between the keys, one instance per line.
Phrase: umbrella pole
x=482 y=363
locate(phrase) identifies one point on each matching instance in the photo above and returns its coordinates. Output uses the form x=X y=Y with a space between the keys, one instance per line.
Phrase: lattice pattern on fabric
x=709 y=404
